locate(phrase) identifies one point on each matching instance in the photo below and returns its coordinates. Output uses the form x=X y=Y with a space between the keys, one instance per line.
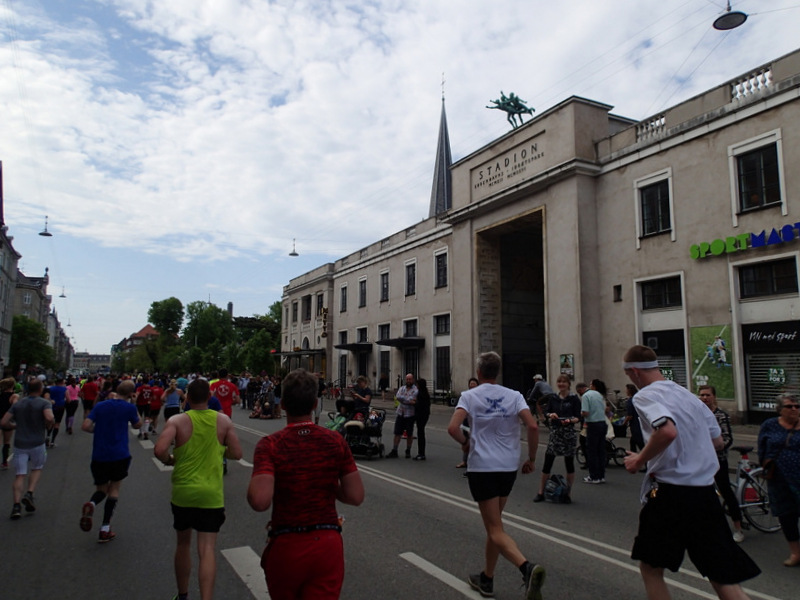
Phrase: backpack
x=556 y=489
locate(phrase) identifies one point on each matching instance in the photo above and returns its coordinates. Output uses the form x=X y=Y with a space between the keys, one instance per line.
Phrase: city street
x=417 y=535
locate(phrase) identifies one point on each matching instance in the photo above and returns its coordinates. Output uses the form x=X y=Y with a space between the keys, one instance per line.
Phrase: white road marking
x=255 y=432
x=244 y=463
x=147 y=444
x=527 y=525
x=443 y=576
x=247 y=565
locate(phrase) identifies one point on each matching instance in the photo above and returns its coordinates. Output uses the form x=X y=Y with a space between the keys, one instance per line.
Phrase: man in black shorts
x=681 y=511
x=111 y=456
x=202 y=437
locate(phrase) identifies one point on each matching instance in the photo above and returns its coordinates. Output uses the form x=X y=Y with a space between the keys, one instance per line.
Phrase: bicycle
x=750 y=489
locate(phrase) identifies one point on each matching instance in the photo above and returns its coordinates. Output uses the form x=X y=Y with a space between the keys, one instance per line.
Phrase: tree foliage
x=166 y=316
x=29 y=344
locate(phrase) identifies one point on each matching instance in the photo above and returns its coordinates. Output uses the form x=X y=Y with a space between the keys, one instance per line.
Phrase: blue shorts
x=36 y=456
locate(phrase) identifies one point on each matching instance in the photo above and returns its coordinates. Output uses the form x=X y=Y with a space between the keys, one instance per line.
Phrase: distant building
x=91 y=363
x=130 y=343
x=31 y=297
x=59 y=341
x=578 y=234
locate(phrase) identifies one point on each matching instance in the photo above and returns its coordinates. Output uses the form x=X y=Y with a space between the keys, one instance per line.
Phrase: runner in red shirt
x=143 y=406
x=226 y=392
x=156 y=395
x=89 y=392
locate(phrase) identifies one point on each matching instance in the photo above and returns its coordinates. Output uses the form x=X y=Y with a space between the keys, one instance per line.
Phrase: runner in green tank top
x=201 y=438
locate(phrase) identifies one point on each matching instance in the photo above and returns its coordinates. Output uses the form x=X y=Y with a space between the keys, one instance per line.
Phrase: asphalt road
x=417 y=535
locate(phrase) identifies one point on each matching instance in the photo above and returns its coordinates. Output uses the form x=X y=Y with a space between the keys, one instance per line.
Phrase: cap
x=537 y=376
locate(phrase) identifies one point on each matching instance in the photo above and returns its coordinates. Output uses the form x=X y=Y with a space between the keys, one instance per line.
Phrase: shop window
x=655 y=208
x=661 y=293
x=768 y=278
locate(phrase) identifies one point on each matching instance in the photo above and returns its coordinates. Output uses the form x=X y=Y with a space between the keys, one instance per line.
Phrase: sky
x=183 y=148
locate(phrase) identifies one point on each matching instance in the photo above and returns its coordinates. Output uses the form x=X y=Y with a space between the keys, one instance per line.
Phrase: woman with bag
x=563 y=410
x=779 y=452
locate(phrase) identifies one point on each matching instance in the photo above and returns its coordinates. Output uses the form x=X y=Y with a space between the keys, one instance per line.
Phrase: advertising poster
x=712 y=357
x=567 y=364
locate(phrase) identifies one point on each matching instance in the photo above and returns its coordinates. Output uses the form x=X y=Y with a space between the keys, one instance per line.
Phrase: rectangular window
x=306 y=308
x=342 y=337
x=384 y=332
x=343 y=299
x=384 y=287
x=758 y=178
x=384 y=360
x=442 y=368
x=26 y=298
x=661 y=293
x=411 y=279
x=768 y=278
x=343 y=370
x=441 y=270
x=320 y=303
x=294 y=311
x=655 y=208
x=362 y=293
x=410 y=328
x=441 y=324
x=361 y=334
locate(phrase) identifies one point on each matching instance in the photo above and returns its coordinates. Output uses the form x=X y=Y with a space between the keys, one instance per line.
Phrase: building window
x=768 y=278
x=294 y=311
x=26 y=298
x=655 y=208
x=343 y=370
x=384 y=362
x=441 y=270
x=384 y=332
x=441 y=324
x=320 y=304
x=410 y=328
x=758 y=178
x=306 y=308
x=384 y=287
x=361 y=334
x=362 y=293
x=342 y=337
x=411 y=279
x=343 y=299
x=661 y=293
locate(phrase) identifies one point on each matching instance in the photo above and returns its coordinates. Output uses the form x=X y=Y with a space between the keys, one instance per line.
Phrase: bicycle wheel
x=754 y=501
x=619 y=456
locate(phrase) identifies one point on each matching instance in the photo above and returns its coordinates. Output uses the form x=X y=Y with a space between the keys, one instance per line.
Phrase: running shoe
x=27 y=500
x=533 y=581
x=4 y=465
x=106 y=536
x=481 y=583
x=738 y=537
x=16 y=512
x=86 y=516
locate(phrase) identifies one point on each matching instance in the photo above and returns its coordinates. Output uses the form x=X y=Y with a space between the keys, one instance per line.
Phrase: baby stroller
x=363 y=432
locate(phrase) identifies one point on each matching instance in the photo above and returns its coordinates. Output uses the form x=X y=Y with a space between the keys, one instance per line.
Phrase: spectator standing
x=404 y=421
x=300 y=472
x=422 y=412
x=7 y=397
x=632 y=419
x=30 y=417
x=593 y=406
x=494 y=413
x=202 y=436
x=681 y=510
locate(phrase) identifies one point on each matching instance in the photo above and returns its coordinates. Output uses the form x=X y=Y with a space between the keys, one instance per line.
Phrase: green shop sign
x=745 y=241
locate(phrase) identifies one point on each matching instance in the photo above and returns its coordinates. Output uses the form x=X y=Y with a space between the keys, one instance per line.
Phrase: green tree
x=167 y=317
x=207 y=324
x=258 y=352
x=29 y=344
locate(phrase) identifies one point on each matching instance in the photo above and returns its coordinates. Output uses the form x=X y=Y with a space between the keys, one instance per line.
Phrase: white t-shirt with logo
x=493 y=413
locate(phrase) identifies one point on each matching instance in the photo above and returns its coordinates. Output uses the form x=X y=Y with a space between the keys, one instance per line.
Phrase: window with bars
x=656 y=216
x=768 y=278
x=661 y=293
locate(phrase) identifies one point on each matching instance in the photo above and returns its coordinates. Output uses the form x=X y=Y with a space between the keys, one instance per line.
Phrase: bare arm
x=49 y=418
x=533 y=440
x=165 y=439
x=351 y=489
x=233 y=448
x=659 y=441
x=88 y=425
x=260 y=492
x=719 y=442
x=5 y=422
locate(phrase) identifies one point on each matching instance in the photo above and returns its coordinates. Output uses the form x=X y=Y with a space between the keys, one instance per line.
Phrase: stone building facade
x=578 y=234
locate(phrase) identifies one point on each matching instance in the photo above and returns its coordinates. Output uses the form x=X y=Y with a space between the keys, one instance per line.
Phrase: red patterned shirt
x=307 y=462
x=225 y=392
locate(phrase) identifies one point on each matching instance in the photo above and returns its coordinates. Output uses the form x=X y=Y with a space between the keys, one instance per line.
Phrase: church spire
x=441 y=193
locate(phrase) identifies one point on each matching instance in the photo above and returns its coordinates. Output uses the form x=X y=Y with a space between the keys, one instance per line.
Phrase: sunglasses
x=791 y=406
